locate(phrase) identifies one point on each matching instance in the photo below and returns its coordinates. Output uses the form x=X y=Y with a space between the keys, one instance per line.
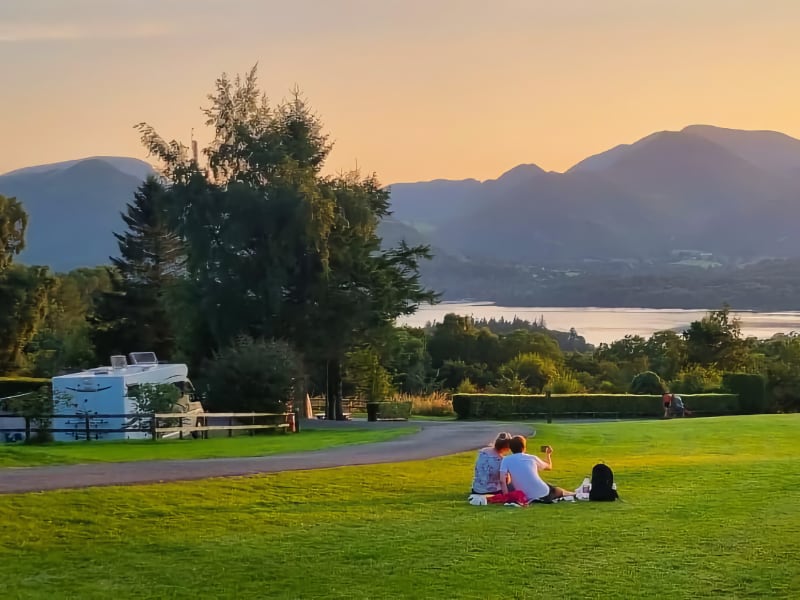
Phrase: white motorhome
x=105 y=391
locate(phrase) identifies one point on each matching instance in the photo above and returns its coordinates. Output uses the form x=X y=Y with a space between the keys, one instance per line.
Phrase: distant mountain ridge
x=73 y=208
x=731 y=193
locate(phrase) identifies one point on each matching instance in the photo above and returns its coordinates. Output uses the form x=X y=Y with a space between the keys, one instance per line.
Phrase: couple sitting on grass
x=504 y=472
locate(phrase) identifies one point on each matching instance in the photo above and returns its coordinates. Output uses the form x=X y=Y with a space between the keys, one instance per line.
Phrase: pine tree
x=132 y=316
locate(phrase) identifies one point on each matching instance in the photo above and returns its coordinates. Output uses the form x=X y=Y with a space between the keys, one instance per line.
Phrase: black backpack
x=602 y=484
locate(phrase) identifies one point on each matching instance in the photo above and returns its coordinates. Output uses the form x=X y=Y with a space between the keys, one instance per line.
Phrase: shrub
x=38 y=406
x=371 y=380
x=532 y=370
x=498 y=406
x=154 y=398
x=436 y=404
x=648 y=382
x=751 y=389
x=566 y=383
x=466 y=387
x=696 y=379
x=251 y=376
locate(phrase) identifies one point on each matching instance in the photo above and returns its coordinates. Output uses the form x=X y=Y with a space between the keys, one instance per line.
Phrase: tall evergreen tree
x=133 y=316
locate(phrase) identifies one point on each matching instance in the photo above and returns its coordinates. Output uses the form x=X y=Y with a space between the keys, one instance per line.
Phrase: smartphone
x=544 y=448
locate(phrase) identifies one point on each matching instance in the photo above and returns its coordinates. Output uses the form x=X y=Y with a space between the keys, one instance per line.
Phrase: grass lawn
x=19 y=455
x=711 y=509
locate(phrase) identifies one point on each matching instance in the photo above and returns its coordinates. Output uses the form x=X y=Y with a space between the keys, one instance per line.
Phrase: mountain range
x=732 y=193
x=729 y=193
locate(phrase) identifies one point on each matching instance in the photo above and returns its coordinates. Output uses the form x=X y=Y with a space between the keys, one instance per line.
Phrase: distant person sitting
x=487 y=466
x=666 y=398
x=523 y=471
x=676 y=406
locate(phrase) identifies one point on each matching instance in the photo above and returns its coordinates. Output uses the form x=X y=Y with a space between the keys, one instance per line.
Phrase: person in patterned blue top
x=487 y=466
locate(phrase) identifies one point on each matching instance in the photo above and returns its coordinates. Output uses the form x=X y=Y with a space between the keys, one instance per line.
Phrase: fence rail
x=156 y=425
x=349 y=405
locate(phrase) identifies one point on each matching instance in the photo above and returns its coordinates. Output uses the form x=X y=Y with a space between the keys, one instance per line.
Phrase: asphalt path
x=436 y=438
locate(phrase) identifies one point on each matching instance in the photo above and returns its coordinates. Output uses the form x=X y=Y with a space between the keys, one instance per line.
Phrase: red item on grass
x=516 y=496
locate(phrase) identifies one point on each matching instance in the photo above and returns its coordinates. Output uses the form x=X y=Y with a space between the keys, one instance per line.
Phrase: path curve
x=434 y=439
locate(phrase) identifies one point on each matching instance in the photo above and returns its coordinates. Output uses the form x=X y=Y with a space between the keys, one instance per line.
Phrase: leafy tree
x=364 y=369
x=39 y=407
x=274 y=247
x=717 y=340
x=453 y=340
x=13 y=224
x=522 y=342
x=695 y=379
x=24 y=299
x=533 y=370
x=666 y=353
x=63 y=341
x=133 y=315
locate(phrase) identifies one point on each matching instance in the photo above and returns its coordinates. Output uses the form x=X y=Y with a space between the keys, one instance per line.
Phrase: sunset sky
x=410 y=89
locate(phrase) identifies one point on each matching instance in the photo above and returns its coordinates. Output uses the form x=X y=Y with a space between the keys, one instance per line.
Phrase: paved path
x=435 y=439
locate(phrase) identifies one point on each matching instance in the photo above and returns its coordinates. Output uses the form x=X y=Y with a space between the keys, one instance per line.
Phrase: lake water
x=599 y=325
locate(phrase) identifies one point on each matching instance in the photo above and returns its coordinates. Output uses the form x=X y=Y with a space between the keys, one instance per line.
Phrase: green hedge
x=394 y=410
x=752 y=391
x=11 y=386
x=507 y=406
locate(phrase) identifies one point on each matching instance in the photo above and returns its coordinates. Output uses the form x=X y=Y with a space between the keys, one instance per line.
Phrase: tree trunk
x=333 y=404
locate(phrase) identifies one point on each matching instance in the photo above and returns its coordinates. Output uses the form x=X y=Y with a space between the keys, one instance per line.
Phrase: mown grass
x=710 y=510
x=25 y=455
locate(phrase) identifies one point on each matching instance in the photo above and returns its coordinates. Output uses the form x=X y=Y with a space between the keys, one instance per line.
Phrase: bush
x=531 y=370
x=11 y=386
x=566 y=383
x=154 y=398
x=498 y=406
x=394 y=410
x=436 y=404
x=751 y=390
x=251 y=376
x=648 y=382
x=467 y=387
x=696 y=379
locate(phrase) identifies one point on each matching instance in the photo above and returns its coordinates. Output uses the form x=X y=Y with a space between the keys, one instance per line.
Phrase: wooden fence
x=157 y=425
x=349 y=405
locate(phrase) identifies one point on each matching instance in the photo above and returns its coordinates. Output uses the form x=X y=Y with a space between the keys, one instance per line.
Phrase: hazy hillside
x=732 y=193
x=73 y=210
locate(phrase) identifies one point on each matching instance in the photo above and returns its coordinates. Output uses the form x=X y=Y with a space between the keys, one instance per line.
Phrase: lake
x=599 y=325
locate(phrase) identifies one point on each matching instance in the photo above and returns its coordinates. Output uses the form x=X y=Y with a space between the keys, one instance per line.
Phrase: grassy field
x=19 y=455
x=711 y=509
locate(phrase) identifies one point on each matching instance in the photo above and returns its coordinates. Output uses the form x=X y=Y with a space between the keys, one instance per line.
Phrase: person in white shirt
x=523 y=470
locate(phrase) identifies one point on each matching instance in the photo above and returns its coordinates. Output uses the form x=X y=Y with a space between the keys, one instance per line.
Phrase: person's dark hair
x=517 y=444
x=502 y=441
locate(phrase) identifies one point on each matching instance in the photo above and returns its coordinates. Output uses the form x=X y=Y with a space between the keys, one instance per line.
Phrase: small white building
x=105 y=391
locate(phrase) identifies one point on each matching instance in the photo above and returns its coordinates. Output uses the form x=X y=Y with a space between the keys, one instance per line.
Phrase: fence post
x=86 y=425
x=153 y=427
x=230 y=424
x=27 y=429
x=549 y=406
